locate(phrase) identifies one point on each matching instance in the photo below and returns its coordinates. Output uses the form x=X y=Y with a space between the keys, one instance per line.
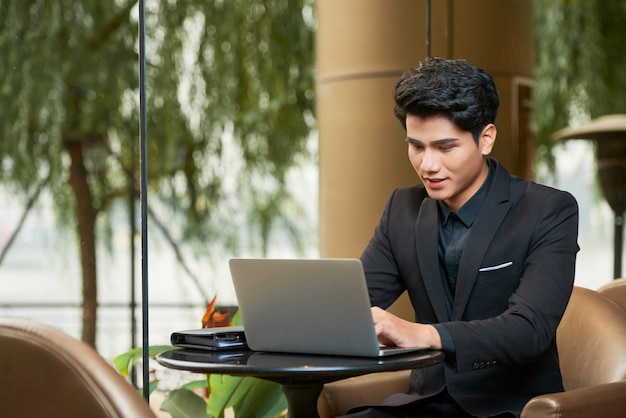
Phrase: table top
x=287 y=367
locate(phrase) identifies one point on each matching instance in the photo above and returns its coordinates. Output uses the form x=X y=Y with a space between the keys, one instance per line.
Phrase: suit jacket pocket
x=492 y=290
x=499 y=271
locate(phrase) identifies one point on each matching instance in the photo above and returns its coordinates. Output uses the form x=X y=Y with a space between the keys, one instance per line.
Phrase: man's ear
x=487 y=139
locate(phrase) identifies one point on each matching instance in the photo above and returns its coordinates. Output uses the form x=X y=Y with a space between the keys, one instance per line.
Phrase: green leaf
x=264 y=399
x=183 y=403
x=152 y=388
x=236 y=319
x=223 y=388
x=196 y=384
x=249 y=397
x=125 y=361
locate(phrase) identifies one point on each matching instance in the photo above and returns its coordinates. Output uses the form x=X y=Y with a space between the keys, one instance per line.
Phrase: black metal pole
x=133 y=251
x=144 y=199
x=618 y=245
x=428 y=29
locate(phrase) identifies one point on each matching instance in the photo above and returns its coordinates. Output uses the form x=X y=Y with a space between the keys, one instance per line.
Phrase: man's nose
x=430 y=161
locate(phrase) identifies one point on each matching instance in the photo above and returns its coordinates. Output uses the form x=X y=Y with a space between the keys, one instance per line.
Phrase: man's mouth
x=435 y=182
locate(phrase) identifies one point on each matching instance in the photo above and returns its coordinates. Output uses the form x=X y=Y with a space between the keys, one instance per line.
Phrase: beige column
x=362 y=49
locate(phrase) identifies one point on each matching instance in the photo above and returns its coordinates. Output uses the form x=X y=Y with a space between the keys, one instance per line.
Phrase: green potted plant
x=213 y=395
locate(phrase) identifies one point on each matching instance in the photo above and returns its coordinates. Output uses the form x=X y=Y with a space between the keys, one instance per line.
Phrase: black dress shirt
x=454 y=229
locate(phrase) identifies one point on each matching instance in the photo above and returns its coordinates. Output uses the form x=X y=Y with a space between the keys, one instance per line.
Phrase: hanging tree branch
x=179 y=255
x=163 y=229
x=30 y=203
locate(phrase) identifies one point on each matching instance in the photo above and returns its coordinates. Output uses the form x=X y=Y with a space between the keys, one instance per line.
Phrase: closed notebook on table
x=215 y=339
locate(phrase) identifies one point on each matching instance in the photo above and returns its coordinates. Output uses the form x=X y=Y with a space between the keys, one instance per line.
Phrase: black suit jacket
x=515 y=278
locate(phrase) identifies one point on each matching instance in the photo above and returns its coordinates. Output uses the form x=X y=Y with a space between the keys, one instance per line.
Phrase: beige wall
x=363 y=46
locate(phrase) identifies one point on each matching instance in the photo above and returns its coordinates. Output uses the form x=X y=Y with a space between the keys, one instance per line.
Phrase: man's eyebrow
x=442 y=141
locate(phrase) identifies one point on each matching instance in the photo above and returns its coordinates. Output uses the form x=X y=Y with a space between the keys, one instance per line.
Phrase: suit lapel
x=426 y=233
x=492 y=213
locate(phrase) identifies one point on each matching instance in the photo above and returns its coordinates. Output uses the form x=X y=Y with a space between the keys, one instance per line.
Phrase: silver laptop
x=311 y=306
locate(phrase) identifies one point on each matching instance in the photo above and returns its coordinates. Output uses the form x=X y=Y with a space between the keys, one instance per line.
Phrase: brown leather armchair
x=592 y=348
x=46 y=373
x=615 y=290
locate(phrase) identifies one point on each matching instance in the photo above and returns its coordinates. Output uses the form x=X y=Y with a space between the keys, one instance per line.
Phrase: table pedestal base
x=302 y=399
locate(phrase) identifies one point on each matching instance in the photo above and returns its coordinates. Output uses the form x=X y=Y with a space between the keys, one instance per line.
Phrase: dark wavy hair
x=465 y=94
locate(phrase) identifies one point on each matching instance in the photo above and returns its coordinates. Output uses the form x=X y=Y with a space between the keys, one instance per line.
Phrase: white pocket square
x=498 y=267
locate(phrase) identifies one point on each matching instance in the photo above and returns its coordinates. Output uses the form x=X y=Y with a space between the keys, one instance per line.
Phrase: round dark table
x=302 y=377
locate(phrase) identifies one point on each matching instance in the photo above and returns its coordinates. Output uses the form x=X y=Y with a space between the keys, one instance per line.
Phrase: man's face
x=447 y=159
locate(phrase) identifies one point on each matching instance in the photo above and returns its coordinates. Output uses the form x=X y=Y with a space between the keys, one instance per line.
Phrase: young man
x=487 y=259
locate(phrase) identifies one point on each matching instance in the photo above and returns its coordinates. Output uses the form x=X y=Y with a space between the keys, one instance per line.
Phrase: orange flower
x=213 y=318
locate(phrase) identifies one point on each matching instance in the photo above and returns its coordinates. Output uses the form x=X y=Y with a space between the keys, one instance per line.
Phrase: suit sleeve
x=380 y=266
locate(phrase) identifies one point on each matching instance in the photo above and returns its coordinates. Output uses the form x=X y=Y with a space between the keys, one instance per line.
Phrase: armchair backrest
x=46 y=373
x=615 y=290
x=591 y=340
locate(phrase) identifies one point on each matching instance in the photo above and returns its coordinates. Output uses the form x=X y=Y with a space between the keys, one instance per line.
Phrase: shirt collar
x=468 y=212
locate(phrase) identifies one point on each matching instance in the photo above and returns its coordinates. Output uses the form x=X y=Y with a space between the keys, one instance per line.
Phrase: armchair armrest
x=339 y=397
x=599 y=401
